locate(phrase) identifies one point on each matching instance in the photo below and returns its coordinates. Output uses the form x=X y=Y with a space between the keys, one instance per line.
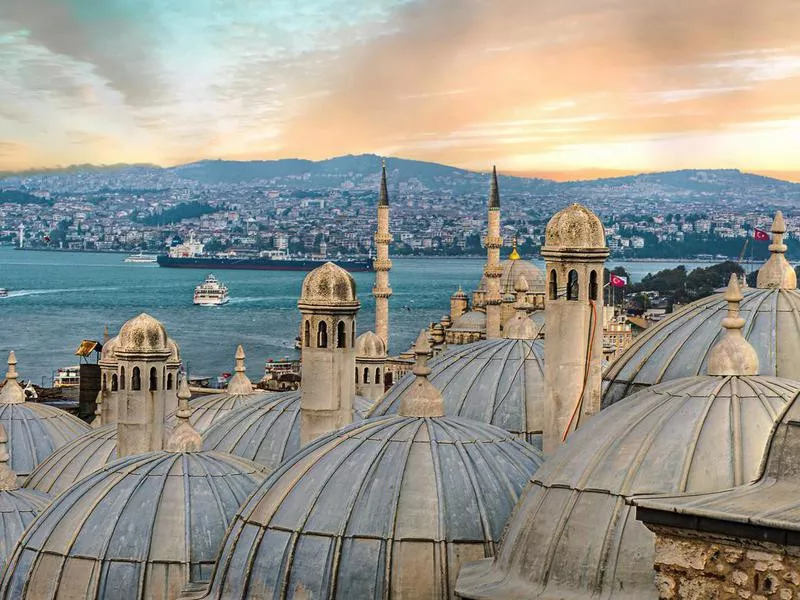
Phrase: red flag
x=760 y=235
x=617 y=281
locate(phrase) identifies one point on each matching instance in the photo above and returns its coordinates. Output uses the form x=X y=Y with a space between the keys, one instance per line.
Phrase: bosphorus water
x=59 y=298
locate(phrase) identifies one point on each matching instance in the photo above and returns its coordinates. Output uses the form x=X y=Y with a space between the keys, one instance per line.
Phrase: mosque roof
x=512 y=269
x=473 y=321
x=370 y=345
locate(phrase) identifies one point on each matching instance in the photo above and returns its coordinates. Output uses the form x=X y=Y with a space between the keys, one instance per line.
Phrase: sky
x=561 y=88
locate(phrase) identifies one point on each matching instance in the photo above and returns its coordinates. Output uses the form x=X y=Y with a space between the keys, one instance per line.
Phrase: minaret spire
x=422 y=399
x=777 y=272
x=493 y=269
x=733 y=354
x=382 y=265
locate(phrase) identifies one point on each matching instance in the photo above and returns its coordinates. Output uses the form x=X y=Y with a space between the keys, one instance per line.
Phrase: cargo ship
x=190 y=255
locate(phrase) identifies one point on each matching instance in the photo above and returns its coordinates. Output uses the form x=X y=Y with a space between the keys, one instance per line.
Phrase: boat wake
x=22 y=293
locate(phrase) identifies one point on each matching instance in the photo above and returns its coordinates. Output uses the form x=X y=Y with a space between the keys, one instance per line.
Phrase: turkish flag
x=760 y=235
x=617 y=281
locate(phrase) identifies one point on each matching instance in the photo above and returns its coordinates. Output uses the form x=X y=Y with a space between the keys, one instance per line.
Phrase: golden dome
x=329 y=285
x=575 y=227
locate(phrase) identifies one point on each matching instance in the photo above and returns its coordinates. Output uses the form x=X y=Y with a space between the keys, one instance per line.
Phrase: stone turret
x=370 y=365
x=382 y=264
x=777 y=272
x=328 y=305
x=575 y=252
x=459 y=304
x=493 y=269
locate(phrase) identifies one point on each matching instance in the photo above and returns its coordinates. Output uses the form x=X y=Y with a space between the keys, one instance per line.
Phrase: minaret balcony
x=493 y=241
x=383 y=238
x=381 y=292
x=381 y=264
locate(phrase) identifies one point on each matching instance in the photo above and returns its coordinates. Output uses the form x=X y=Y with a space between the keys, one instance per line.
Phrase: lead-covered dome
x=474 y=320
x=497 y=381
x=679 y=345
x=327 y=285
x=143 y=334
x=575 y=227
x=398 y=501
x=573 y=535
x=267 y=430
x=370 y=345
x=512 y=269
x=141 y=528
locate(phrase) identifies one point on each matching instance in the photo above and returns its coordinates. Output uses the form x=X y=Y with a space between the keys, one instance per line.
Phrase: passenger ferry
x=67 y=377
x=211 y=292
x=3 y=292
x=142 y=258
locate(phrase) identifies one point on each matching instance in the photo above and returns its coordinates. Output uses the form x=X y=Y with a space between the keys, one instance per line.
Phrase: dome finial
x=777 y=272
x=8 y=479
x=97 y=422
x=514 y=254
x=184 y=437
x=12 y=392
x=521 y=326
x=733 y=354
x=240 y=383
x=422 y=399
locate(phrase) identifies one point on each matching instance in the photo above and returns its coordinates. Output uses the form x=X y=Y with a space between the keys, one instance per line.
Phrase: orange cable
x=579 y=402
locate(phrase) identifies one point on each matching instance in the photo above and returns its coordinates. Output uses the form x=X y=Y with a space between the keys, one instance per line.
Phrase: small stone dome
x=399 y=501
x=473 y=320
x=575 y=227
x=141 y=528
x=175 y=351
x=266 y=431
x=108 y=353
x=459 y=294
x=143 y=334
x=521 y=327
x=75 y=460
x=714 y=432
x=328 y=285
x=370 y=345
x=497 y=381
x=512 y=269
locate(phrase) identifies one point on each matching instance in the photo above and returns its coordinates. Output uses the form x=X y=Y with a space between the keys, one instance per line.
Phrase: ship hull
x=259 y=264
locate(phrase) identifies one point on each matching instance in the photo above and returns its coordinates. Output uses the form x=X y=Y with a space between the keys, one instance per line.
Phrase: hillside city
x=311 y=209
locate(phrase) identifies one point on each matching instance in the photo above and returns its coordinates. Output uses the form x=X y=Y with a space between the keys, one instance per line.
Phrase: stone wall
x=693 y=566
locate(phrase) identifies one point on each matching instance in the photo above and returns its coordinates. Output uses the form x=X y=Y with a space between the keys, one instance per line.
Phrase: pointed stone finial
x=184 y=437
x=239 y=383
x=106 y=336
x=97 y=422
x=422 y=399
x=384 y=197
x=521 y=326
x=12 y=392
x=733 y=354
x=494 y=190
x=8 y=479
x=777 y=272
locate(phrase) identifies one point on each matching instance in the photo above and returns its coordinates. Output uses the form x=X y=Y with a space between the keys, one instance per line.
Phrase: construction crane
x=744 y=249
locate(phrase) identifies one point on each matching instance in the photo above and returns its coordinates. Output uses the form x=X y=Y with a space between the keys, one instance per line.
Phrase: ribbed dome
x=17 y=509
x=75 y=460
x=328 y=285
x=370 y=345
x=679 y=345
x=208 y=410
x=498 y=381
x=473 y=320
x=140 y=528
x=384 y=508
x=574 y=536
x=266 y=431
x=512 y=269
x=35 y=431
x=143 y=334
x=574 y=227
x=108 y=353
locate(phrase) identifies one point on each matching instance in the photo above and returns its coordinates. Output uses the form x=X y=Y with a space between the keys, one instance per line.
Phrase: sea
x=57 y=299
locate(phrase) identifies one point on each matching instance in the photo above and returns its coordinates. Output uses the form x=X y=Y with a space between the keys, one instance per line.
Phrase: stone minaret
x=382 y=264
x=328 y=305
x=143 y=352
x=493 y=270
x=777 y=272
x=575 y=252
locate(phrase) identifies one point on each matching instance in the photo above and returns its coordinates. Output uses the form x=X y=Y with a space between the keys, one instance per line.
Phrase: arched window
x=103 y=387
x=353 y=334
x=341 y=336
x=356 y=374
x=366 y=375
x=572 y=285
x=114 y=382
x=153 y=379
x=307 y=334
x=169 y=381
x=122 y=378
x=136 y=379
x=593 y=285
x=322 y=335
x=553 y=285
x=377 y=375
x=387 y=380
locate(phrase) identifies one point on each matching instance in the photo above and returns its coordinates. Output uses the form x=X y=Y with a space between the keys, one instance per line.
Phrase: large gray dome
x=17 y=509
x=266 y=431
x=208 y=410
x=35 y=431
x=512 y=269
x=75 y=460
x=573 y=534
x=383 y=508
x=679 y=345
x=497 y=381
x=140 y=528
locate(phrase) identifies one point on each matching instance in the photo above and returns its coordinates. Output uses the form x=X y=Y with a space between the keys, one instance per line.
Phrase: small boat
x=142 y=258
x=212 y=292
x=67 y=377
x=3 y=292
